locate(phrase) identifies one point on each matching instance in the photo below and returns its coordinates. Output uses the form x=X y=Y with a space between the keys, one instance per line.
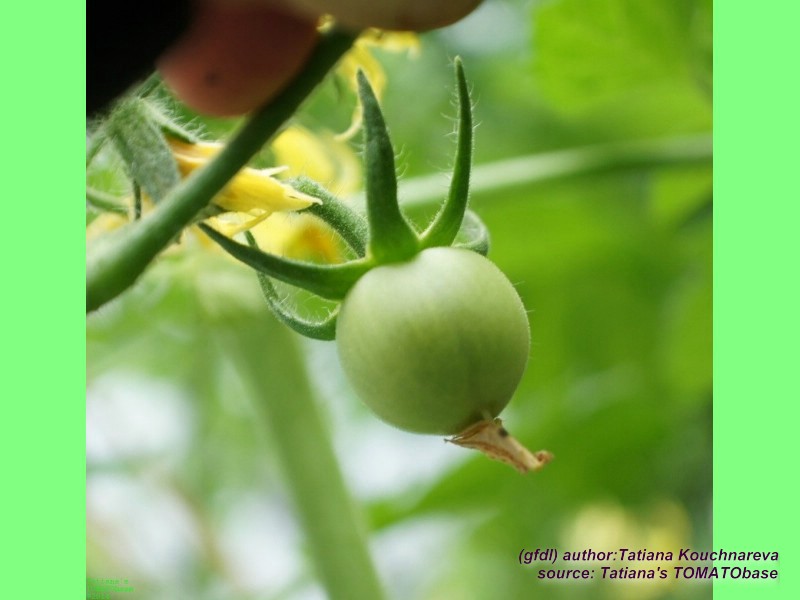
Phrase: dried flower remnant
x=490 y=437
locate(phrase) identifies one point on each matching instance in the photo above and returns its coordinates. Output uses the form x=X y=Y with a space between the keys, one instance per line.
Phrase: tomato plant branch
x=335 y=534
x=538 y=167
x=116 y=264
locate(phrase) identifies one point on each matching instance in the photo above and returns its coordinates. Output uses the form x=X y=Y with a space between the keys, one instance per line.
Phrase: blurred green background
x=613 y=262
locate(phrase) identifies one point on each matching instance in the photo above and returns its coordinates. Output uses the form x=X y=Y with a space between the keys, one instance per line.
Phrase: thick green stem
x=564 y=163
x=335 y=534
x=115 y=266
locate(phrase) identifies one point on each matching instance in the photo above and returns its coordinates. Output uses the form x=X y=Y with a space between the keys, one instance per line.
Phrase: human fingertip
x=415 y=15
x=235 y=57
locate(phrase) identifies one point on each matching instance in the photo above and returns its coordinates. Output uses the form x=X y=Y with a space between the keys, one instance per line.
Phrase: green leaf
x=95 y=143
x=105 y=202
x=169 y=125
x=634 y=62
x=680 y=195
x=143 y=149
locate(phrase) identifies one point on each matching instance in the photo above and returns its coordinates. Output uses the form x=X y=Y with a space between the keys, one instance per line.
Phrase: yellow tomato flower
x=252 y=191
x=318 y=156
x=103 y=223
x=256 y=192
x=299 y=236
x=360 y=58
x=256 y=200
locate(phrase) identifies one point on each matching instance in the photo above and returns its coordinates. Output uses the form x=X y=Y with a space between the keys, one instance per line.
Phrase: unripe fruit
x=435 y=344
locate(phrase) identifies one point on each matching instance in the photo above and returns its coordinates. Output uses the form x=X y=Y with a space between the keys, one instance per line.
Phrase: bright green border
x=756 y=304
x=42 y=427
x=757 y=217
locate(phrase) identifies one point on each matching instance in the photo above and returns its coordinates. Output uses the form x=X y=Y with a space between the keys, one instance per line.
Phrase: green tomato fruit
x=434 y=344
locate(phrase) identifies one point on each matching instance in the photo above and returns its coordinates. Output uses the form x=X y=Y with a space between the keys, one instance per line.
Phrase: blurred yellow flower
x=360 y=58
x=318 y=156
x=299 y=236
x=663 y=526
x=258 y=201
x=104 y=222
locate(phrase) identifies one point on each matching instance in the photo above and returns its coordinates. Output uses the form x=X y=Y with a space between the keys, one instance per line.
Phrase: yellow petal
x=392 y=41
x=301 y=237
x=320 y=157
x=360 y=58
x=303 y=154
x=250 y=190
x=104 y=223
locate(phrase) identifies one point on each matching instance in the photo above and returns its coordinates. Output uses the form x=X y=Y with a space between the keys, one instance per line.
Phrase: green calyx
x=391 y=237
x=447 y=222
x=383 y=236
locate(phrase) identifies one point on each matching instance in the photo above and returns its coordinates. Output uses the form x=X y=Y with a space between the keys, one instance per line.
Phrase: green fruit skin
x=435 y=344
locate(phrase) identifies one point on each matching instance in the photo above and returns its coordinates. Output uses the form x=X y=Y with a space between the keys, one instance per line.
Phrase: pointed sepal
x=445 y=225
x=323 y=329
x=329 y=281
x=350 y=225
x=391 y=237
x=475 y=234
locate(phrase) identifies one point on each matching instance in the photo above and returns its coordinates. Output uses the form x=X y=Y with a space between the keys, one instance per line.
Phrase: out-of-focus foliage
x=641 y=68
x=184 y=498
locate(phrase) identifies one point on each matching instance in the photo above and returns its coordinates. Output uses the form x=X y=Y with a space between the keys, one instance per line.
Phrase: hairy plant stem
x=336 y=538
x=564 y=163
x=114 y=267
